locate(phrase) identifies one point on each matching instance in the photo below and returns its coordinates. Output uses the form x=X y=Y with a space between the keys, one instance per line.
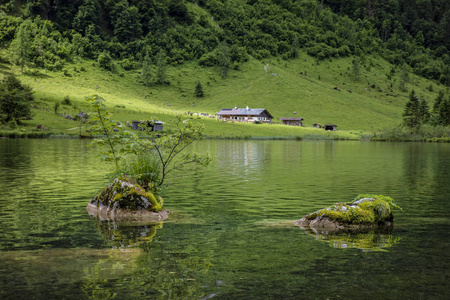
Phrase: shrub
x=128 y=64
x=208 y=59
x=104 y=61
x=66 y=101
x=15 y=100
x=145 y=169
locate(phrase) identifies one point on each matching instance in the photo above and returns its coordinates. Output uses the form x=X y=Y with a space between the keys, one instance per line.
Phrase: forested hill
x=404 y=32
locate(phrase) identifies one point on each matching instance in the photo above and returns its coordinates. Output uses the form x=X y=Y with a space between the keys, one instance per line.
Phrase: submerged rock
x=124 y=199
x=364 y=213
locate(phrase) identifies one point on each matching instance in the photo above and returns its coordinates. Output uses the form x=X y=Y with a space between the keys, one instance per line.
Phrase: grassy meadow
x=324 y=92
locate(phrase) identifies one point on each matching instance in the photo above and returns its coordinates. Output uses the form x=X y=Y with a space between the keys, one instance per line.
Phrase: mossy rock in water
x=369 y=212
x=125 y=199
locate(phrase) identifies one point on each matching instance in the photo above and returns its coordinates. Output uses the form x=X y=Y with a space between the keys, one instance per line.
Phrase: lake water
x=231 y=234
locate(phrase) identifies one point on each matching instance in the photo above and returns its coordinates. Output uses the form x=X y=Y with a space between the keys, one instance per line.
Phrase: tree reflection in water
x=151 y=269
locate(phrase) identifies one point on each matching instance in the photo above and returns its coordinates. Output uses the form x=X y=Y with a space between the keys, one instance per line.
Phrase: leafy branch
x=111 y=132
x=169 y=146
x=158 y=156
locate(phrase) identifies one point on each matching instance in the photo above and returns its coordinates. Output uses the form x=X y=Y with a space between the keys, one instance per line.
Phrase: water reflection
x=50 y=246
x=126 y=234
x=245 y=160
x=152 y=270
x=155 y=274
x=368 y=240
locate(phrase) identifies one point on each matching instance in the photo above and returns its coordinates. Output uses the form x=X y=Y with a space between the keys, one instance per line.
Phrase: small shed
x=330 y=127
x=158 y=125
x=155 y=126
x=317 y=125
x=292 y=121
x=135 y=125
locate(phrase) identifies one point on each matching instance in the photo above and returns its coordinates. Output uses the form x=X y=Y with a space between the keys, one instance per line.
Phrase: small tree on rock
x=169 y=149
x=165 y=152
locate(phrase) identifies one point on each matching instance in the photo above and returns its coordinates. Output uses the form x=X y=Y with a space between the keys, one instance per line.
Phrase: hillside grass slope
x=323 y=92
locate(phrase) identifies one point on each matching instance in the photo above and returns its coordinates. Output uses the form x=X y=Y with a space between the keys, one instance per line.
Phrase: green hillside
x=327 y=63
x=287 y=87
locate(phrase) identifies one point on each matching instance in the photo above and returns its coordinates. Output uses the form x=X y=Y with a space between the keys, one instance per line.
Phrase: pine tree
x=411 y=115
x=198 y=90
x=161 y=67
x=146 y=70
x=444 y=112
x=223 y=59
x=437 y=101
x=404 y=79
x=424 y=112
x=15 y=100
x=436 y=116
x=21 y=44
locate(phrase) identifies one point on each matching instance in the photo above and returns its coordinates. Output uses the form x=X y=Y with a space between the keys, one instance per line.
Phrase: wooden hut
x=158 y=125
x=135 y=125
x=330 y=127
x=292 y=121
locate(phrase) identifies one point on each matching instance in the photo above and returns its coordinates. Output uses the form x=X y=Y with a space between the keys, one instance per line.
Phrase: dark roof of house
x=243 y=112
x=291 y=119
x=330 y=125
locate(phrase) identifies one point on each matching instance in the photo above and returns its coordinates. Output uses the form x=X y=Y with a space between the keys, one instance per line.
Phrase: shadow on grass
x=6 y=70
x=36 y=74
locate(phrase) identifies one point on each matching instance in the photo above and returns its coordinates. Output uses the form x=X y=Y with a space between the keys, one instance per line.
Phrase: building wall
x=243 y=118
x=292 y=122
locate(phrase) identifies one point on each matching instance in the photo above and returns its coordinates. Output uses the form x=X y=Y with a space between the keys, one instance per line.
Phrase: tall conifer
x=146 y=70
x=411 y=115
x=21 y=45
x=198 y=90
x=161 y=67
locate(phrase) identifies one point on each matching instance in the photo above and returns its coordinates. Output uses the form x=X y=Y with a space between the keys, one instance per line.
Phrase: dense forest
x=46 y=33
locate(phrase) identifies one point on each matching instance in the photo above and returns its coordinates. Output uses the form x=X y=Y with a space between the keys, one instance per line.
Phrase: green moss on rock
x=125 y=194
x=364 y=211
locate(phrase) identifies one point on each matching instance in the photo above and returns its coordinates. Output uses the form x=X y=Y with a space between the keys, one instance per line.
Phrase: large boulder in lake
x=124 y=199
x=363 y=213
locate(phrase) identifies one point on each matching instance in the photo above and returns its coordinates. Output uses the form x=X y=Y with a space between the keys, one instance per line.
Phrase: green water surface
x=231 y=234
